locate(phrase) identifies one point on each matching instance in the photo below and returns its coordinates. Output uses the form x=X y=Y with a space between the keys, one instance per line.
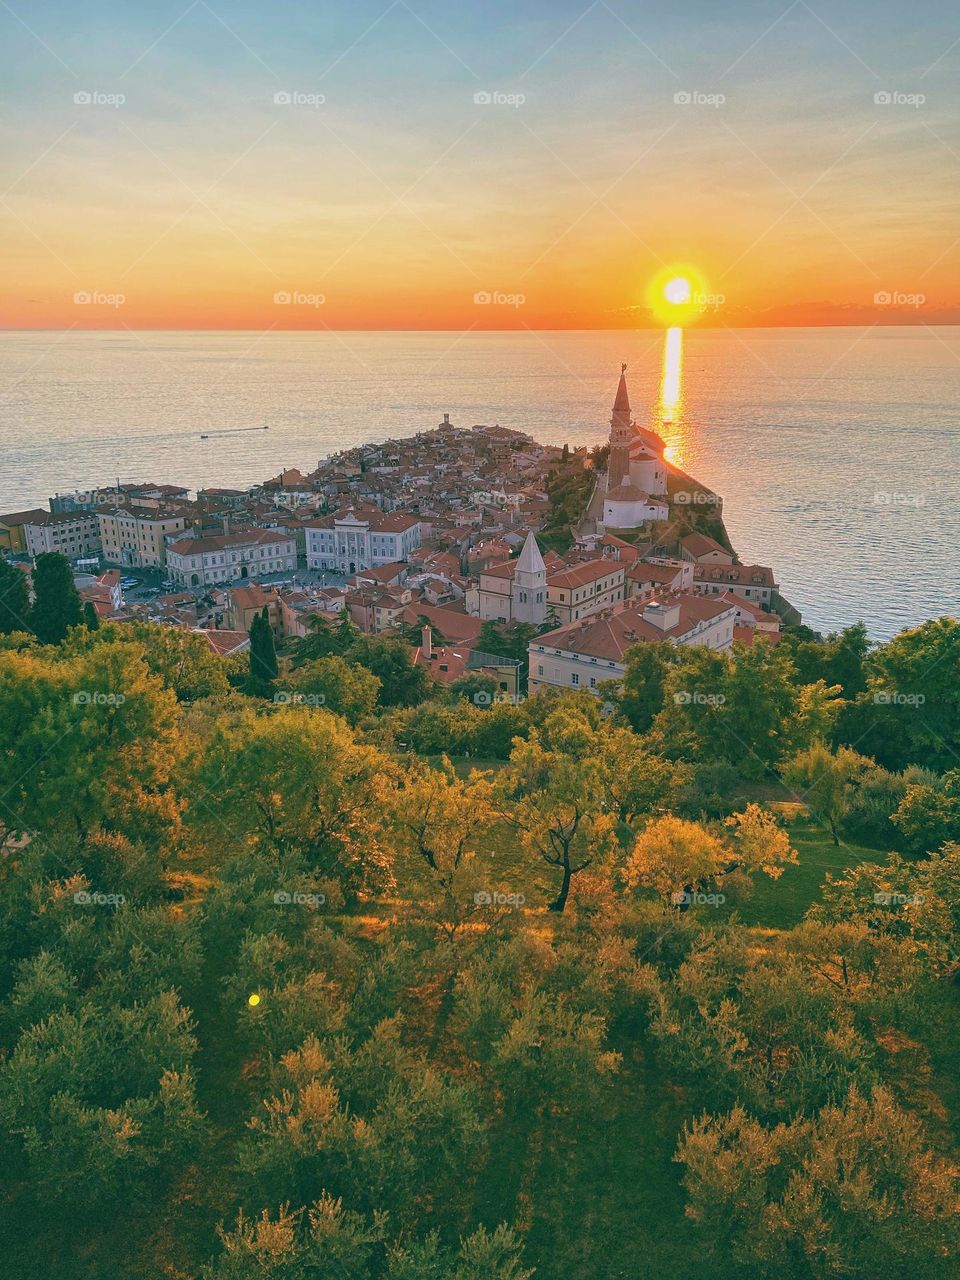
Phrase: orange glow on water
x=671 y=394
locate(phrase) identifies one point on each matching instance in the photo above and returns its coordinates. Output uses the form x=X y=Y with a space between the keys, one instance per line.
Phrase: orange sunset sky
x=394 y=165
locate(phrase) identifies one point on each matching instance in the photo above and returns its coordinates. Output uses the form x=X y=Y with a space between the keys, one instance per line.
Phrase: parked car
x=128 y=583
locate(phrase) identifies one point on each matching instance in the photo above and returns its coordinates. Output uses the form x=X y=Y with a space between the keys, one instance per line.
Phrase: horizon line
x=712 y=328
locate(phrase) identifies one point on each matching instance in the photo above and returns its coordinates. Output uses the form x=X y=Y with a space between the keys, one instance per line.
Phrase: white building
x=350 y=543
x=583 y=654
x=201 y=562
x=74 y=534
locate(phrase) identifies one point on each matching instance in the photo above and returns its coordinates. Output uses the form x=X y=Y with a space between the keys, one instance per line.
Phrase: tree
x=345 y=688
x=679 y=859
x=639 y=694
x=183 y=660
x=95 y=738
x=14 y=599
x=437 y=816
x=910 y=713
x=91 y=619
x=511 y=640
x=293 y=783
x=855 y=1191
x=912 y=903
x=402 y=682
x=325 y=638
x=102 y=1096
x=264 y=667
x=552 y=797
x=929 y=813
x=826 y=781
x=56 y=606
x=475 y=687
x=838 y=660
x=634 y=781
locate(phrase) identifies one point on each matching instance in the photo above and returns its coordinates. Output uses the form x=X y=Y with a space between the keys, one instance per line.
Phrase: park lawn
x=780 y=904
x=602 y=1198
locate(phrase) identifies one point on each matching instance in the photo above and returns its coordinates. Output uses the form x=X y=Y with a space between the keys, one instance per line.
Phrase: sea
x=836 y=451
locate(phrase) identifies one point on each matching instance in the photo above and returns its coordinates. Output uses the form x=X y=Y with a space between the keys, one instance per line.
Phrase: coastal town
x=437 y=536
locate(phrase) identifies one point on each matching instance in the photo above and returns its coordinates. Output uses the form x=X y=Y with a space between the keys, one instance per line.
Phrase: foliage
x=14 y=599
x=855 y=1190
x=344 y=688
x=56 y=606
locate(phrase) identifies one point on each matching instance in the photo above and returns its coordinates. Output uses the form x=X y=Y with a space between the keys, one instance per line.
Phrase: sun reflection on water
x=671 y=395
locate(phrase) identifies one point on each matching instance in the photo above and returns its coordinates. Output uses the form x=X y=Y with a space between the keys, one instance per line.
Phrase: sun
x=675 y=295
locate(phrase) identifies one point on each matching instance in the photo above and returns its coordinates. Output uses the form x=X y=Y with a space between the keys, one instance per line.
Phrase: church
x=636 y=482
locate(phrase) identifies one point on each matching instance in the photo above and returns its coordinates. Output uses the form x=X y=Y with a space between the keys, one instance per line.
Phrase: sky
x=381 y=164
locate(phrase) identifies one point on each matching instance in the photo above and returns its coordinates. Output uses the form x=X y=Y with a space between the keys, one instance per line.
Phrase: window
x=575 y=678
x=540 y=669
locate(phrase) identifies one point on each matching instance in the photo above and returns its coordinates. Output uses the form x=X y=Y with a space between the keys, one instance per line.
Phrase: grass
x=780 y=904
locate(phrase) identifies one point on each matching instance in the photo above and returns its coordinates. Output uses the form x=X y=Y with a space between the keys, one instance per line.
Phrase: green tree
x=640 y=693
x=325 y=638
x=14 y=599
x=56 y=606
x=95 y=737
x=264 y=667
x=475 y=687
x=910 y=713
x=853 y=1191
x=838 y=660
x=929 y=813
x=293 y=783
x=826 y=781
x=345 y=688
x=552 y=796
x=91 y=619
x=402 y=682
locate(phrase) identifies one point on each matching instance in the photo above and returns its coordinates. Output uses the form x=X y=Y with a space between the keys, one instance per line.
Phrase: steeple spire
x=622 y=402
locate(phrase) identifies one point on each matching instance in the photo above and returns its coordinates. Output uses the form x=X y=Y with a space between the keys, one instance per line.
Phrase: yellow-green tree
x=295 y=782
x=552 y=796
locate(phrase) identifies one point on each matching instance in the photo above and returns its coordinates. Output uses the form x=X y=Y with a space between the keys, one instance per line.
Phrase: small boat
x=233 y=431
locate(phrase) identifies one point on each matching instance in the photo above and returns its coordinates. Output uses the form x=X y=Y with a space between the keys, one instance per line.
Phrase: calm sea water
x=837 y=451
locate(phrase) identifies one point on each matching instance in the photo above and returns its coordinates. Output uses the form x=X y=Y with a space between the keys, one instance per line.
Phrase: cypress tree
x=263 y=651
x=14 y=599
x=91 y=619
x=57 y=606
